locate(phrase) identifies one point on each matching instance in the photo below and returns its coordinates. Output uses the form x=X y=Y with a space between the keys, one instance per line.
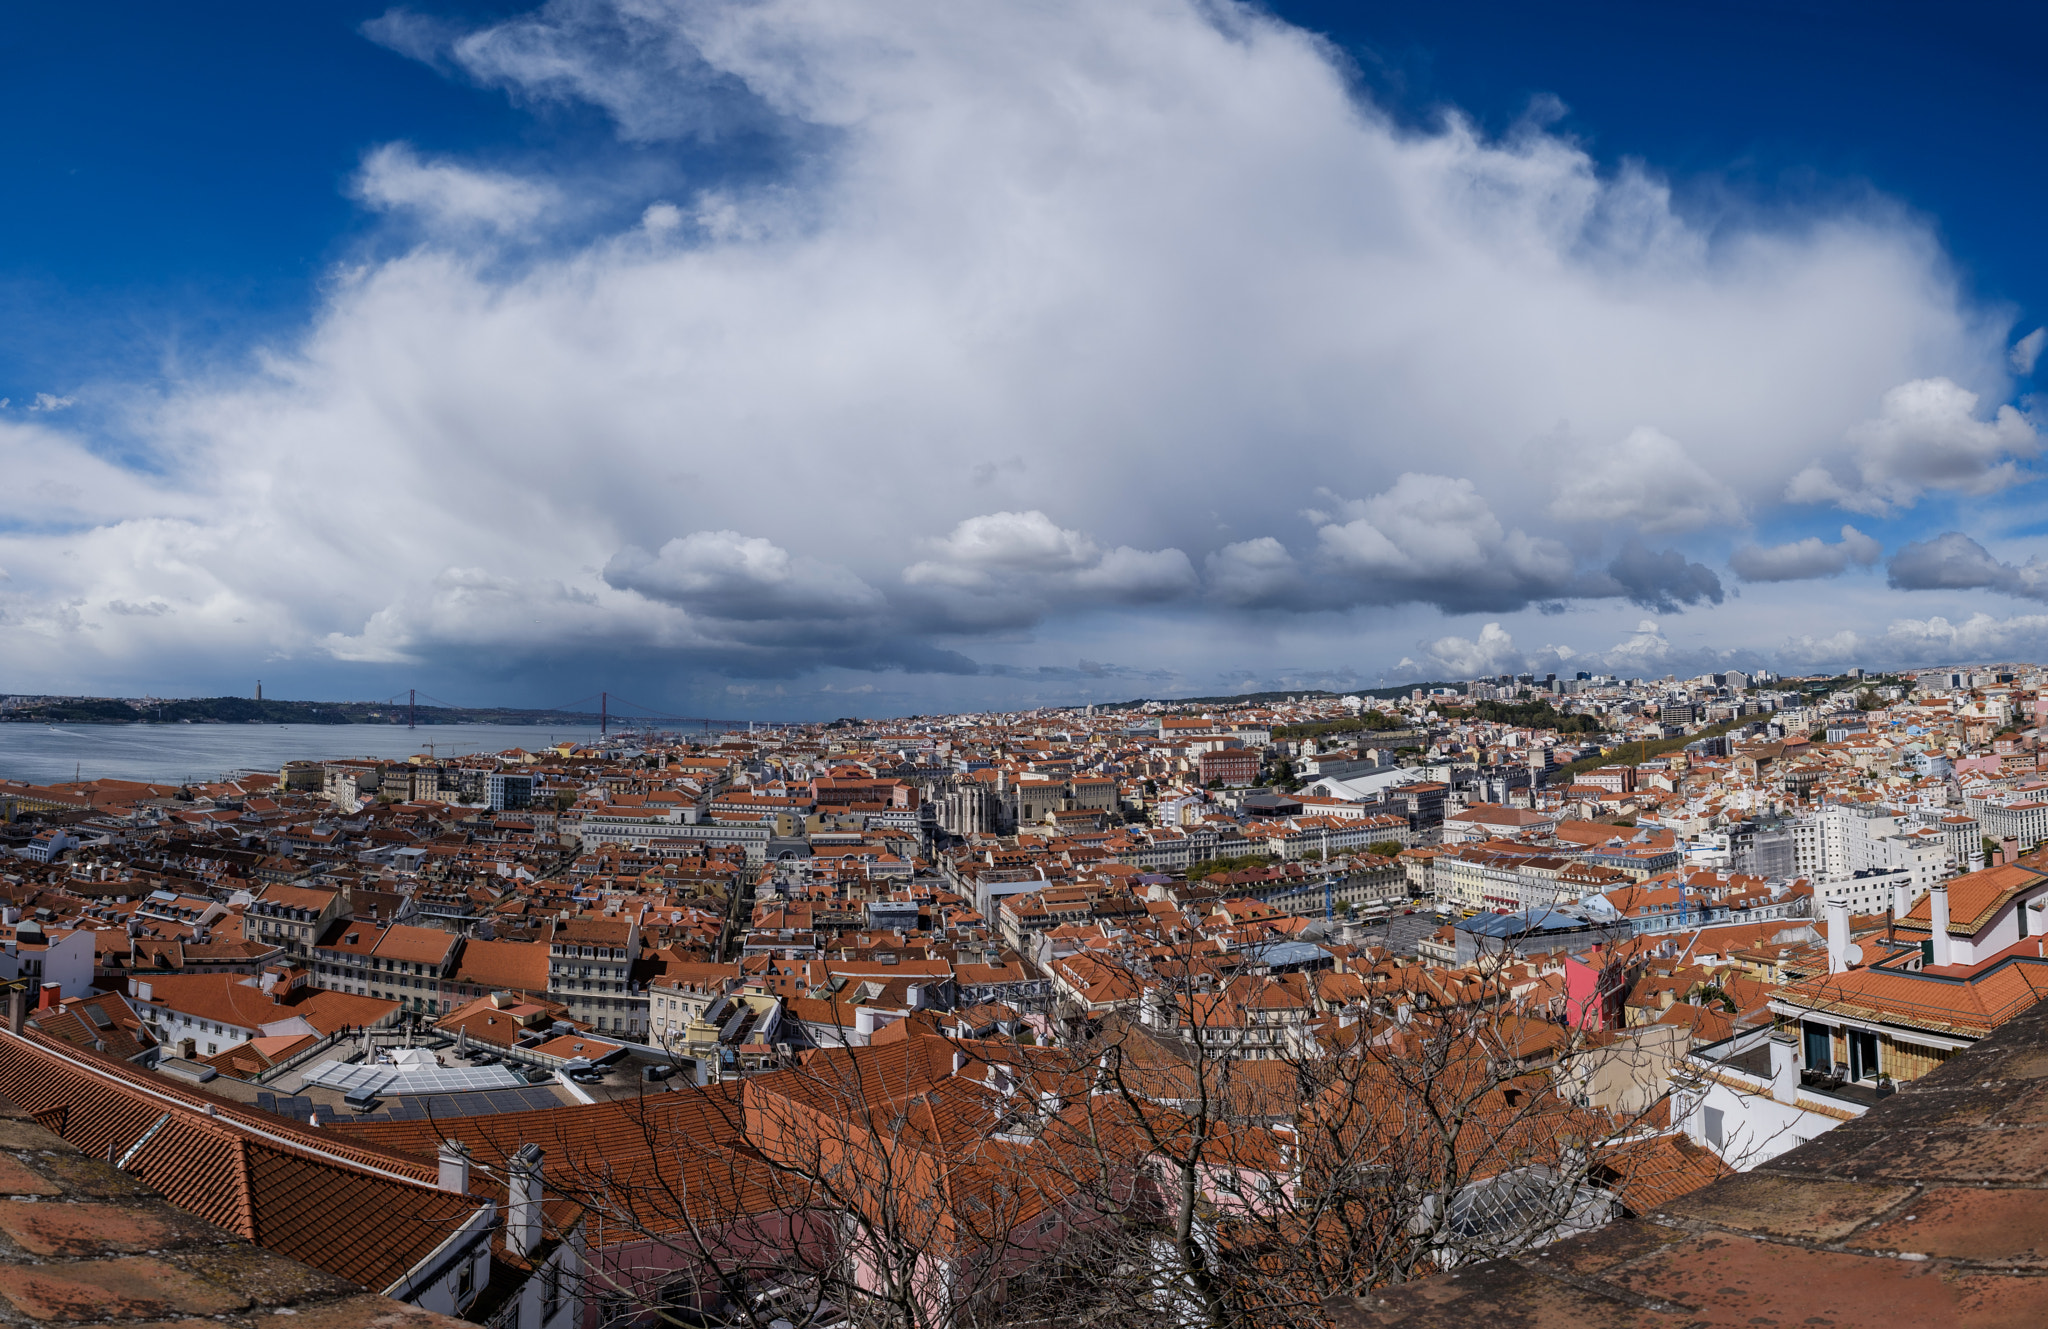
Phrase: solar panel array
x=355 y=1079
x=488 y=1102
x=299 y=1108
x=417 y=1107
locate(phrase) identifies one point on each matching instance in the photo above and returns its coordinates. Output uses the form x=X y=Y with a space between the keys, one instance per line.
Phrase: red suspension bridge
x=610 y=707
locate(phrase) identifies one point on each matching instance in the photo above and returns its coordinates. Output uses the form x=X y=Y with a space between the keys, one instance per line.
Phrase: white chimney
x=522 y=1214
x=454 y=1167
x=1902 y=897
x=1937 y=898
x=1838 y=936
x=1784 y=1069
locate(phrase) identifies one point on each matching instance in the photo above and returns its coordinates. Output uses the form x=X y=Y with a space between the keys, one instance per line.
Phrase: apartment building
x=293 y=918
x=1840 y=841
x=590 y=970
x=412 y=966
x=200 y=1015
x=666 y=830
x=1485 y=821
x=2007 y=814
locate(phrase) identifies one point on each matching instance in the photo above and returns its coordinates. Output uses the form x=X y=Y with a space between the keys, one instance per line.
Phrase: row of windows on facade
x=384 y=964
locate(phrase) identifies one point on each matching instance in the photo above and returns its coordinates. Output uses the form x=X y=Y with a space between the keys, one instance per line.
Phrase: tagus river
x=41 y=754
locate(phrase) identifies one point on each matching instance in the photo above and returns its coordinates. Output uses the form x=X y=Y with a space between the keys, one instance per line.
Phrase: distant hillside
x=1265 y=698
x=245 y=710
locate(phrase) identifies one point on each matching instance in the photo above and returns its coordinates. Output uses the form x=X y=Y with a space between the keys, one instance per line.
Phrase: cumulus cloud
x=1433 y=538
x=1009 y=553
x=1659 y=579
x=1642 y=650
x=1910 y=642
x=395 y=178
x=1492 y=652
x=1254 y=572
x=1647 y=480
x=1927 y=436
x=723 y=574
x=1161 y=253
x=1978 y=637
x=1804 y=560
x=2026 y=352
x=1955 y=562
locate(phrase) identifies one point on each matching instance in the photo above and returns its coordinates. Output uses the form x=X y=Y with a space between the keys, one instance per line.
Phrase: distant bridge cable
x=607 y=703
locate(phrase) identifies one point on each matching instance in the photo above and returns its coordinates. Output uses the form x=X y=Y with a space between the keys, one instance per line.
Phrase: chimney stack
x=1902 y=898
x=454 y=1167
x=1784 y=1069
x=522 y=1218
x=1838 y=936
x=1937 y=897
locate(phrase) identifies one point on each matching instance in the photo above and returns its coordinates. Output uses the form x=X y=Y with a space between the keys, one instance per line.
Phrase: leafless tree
x=1208 y=1154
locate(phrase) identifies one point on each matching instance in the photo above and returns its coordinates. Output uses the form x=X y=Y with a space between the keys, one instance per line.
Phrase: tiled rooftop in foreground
x=1931 y=1209
x=82 y=1242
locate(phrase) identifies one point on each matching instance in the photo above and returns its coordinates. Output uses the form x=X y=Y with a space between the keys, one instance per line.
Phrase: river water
x=42 y=754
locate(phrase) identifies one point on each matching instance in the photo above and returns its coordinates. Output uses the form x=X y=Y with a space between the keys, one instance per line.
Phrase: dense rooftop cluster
x=923 y=1021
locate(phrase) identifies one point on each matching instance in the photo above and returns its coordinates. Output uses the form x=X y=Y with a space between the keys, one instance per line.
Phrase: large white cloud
x=1435 y=538
x=1008 y=569
x=1493 y=651
x=1927 y=436
x=1647 y=479
x=1804 y=560
x=1151 y=272
x=1955 y=562
x=726 y=575
x=1907 y=642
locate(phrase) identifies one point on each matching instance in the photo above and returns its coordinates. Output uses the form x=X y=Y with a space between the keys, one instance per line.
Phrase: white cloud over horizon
x=1067 y=317
x=1928 y=437
x=1805 y=560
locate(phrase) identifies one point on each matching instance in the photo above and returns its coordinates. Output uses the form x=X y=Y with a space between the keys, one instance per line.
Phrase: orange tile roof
x=232 y=999
x=1973 y=898
x=518 y=966
x=1969 y=1007
x=415 y=945
x=356 y=1210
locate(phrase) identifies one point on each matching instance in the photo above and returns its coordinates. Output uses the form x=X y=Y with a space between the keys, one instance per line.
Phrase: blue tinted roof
x=1283 y=952
x=1521 y=925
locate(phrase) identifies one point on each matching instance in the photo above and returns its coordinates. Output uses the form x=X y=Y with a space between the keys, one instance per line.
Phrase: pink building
x=1594 y=985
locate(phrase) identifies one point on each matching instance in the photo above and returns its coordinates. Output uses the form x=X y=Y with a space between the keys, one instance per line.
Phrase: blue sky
x=281 y=283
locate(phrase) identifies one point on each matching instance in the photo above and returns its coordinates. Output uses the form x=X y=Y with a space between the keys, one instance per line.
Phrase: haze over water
x=42 y=754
